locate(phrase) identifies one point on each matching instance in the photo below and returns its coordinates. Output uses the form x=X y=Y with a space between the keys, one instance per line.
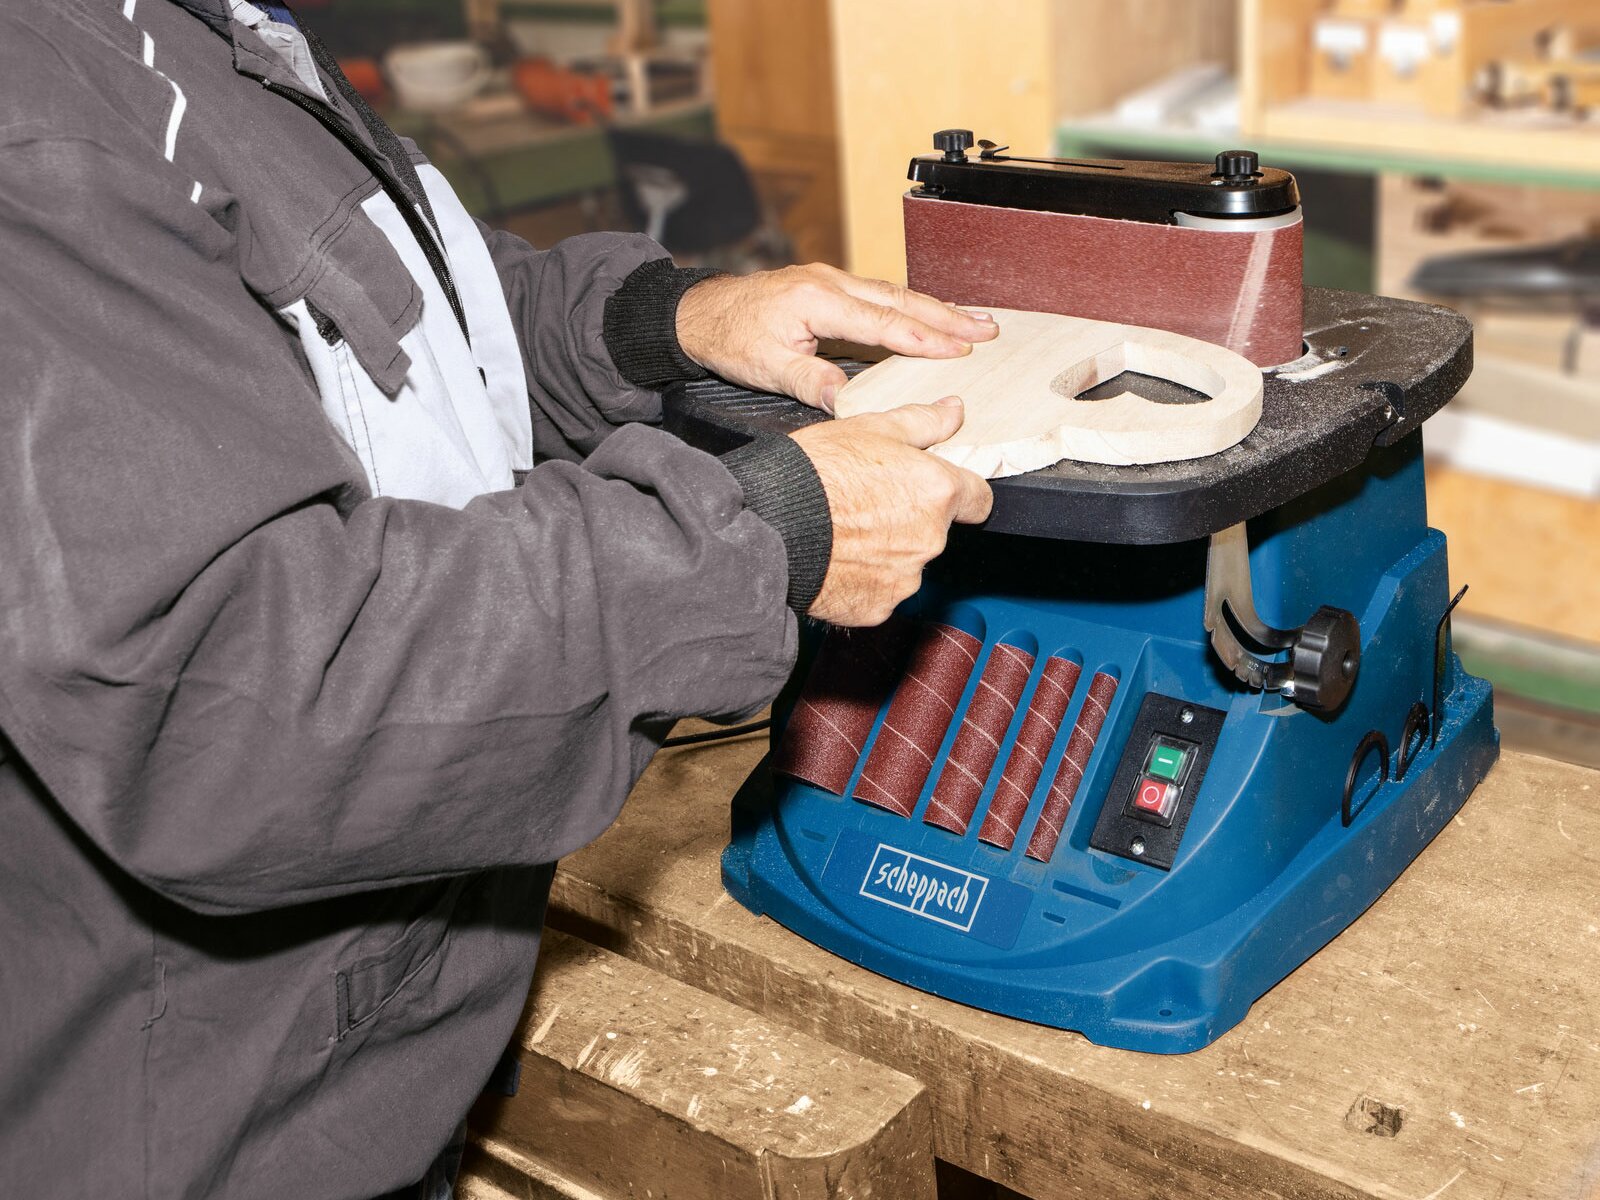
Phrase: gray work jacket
x=292 y=716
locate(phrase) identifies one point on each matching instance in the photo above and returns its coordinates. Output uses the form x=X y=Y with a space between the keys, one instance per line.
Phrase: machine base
x=1170 y=838
x=1164 y=999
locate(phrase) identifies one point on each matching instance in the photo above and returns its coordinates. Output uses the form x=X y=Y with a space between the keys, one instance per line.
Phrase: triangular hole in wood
x=1151 y=387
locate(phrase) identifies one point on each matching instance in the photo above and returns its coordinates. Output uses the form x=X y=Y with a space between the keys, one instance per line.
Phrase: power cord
x=716 y=735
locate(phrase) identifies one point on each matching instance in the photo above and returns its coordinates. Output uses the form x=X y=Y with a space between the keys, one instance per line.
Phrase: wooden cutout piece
x=1020 y=389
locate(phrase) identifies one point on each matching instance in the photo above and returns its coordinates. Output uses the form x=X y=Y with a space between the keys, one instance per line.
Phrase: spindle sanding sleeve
x=918 y=718
x=1091 y=718
x=1047 y=708
x=852 y=676
x=977 y=744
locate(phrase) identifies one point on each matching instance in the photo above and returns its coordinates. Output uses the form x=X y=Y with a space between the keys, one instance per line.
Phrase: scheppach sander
x=1152 y=735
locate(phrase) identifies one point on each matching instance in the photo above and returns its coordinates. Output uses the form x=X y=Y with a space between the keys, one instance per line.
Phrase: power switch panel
x=1160 y=786
x=1157 y=780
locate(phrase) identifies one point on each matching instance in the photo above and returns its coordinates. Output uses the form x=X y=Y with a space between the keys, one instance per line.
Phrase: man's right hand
x=892 y=503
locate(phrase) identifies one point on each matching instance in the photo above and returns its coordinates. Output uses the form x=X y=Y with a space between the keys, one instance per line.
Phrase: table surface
x=1447 y=1045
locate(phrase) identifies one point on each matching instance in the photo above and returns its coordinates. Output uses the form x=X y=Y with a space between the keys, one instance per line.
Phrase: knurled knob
x=1325 y=659
x=1238 y=166
x=954 y=143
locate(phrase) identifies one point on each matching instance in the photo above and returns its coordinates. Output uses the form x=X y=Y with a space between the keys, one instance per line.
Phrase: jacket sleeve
x=596 y=319
x=249 y=683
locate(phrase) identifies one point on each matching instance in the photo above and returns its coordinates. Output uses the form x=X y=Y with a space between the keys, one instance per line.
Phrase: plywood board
x=1020 y=393
x=1446 y=1045
x=1275 y=52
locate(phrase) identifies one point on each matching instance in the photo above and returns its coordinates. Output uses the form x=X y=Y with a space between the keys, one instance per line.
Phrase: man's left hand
x=762 y=330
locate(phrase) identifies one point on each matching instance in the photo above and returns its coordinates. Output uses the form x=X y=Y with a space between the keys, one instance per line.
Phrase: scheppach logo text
x=922 y=886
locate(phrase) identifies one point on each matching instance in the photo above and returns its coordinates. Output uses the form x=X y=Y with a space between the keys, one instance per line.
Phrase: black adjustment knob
x=954 y=143
x=1325 y=659
x=1238 y=166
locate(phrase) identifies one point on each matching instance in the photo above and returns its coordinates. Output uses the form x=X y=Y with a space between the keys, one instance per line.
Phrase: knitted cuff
x=783 y=489
x=641 y=324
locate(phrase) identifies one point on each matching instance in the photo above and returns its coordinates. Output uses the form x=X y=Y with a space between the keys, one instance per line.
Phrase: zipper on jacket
x=408 y=209
x=326 y=326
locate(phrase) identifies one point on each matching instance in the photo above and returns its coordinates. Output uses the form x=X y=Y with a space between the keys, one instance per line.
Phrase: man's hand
x=892 y=504
x=761 y=330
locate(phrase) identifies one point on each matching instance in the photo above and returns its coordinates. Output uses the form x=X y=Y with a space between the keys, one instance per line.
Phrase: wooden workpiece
x=1446 y=1046
x=1020 y=389
x=633 y=1082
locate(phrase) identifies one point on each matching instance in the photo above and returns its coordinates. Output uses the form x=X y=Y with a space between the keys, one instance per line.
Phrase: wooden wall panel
x=1011 y=72
x=1105 y=49
x=772 y=73
x=772 y=63
x=1531 y=556
x=905 y=68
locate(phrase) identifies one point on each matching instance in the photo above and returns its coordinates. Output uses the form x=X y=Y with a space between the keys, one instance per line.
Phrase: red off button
x=1156 y=798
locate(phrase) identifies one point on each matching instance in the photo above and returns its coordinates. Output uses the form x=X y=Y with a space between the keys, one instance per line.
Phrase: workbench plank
x=1446 y=1046
x=636 y=1084
x=491 y=1170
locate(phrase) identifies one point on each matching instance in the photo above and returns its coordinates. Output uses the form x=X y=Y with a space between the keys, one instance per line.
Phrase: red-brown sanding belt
x=1070 y=774
x=977 y=744
x=854 y=672
x=1239 y=290
x=1046 y=709
x=918 y=718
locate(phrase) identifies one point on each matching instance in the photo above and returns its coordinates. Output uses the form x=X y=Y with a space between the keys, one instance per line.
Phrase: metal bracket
x=1324 y=654
x=1373 y=741
x=1441 y=662
x=1412 y=736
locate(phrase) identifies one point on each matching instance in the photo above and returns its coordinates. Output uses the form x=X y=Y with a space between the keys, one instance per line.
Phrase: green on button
x=1166 y=762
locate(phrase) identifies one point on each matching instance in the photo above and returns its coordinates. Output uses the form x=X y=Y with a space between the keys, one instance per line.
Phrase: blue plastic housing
x=1266 y=873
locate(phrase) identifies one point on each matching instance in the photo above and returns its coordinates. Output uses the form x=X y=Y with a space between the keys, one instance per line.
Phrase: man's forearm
x=595 y=319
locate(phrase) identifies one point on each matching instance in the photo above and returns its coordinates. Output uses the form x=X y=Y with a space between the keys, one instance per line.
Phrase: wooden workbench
x=1445 y=1047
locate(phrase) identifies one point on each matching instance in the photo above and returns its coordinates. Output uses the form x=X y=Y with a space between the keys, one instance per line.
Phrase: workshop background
x=1424 y=133
x=750 y=133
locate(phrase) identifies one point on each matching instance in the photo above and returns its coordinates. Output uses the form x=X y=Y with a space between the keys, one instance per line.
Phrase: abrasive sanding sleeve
x=918 y=718
x=1091 y=717
x=852 y=676
x=1240 y=289
x=977 y=744
x=1047 y=708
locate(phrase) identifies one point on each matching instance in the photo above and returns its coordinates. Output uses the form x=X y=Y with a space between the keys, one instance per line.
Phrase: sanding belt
x=926 y=669
x=1242 y=290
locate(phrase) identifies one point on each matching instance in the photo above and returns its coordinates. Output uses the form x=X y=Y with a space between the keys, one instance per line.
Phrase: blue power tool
x=1244 y=790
